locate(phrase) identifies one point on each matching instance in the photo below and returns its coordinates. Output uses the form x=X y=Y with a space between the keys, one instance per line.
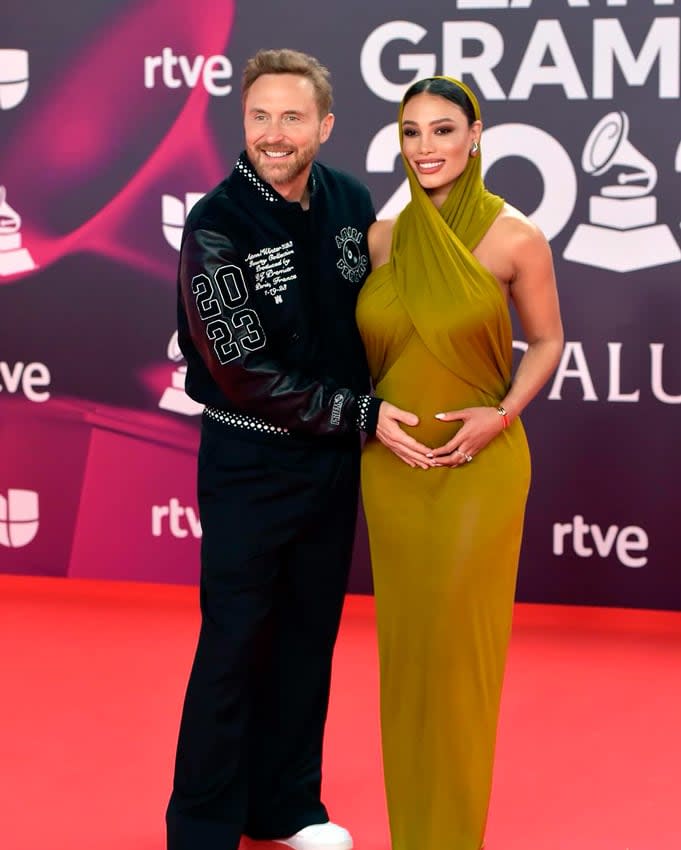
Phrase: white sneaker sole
x=309 y=844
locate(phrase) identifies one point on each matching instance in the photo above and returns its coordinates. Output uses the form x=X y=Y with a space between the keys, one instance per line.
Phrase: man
x=271 y=263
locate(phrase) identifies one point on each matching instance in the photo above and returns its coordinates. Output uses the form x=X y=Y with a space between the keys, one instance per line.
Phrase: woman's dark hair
x=442 y=88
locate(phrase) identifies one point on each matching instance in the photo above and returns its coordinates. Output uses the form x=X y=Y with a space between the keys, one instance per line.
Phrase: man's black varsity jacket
x=266 y=303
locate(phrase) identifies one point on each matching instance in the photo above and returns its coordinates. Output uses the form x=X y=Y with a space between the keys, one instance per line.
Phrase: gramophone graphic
x=174 y=397
x=622 y=235
x=13 y=258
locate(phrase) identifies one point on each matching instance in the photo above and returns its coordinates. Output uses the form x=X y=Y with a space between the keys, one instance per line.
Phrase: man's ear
x=326 y=127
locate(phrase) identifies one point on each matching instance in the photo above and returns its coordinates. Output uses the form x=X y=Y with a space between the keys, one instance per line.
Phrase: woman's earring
x=474 y=149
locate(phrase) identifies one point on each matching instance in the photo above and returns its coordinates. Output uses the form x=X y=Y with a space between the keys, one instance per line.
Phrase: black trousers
x=278 y=525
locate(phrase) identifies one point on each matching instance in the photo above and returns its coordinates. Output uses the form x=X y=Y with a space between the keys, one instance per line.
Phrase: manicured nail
x=439 y=416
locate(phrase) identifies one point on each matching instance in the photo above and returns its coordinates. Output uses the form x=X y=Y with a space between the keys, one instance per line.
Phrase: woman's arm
x=532 y=289
x=535 y=297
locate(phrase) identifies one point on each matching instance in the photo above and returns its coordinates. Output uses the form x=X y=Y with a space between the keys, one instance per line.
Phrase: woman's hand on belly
x=389 y=432
x=480 y=426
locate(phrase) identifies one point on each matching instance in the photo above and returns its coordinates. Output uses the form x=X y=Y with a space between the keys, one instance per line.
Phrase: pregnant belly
x=425 y=399
x=418 y=382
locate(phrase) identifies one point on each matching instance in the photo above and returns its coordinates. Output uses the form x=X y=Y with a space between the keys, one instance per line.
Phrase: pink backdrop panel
x=139 y=516
x=43 y=451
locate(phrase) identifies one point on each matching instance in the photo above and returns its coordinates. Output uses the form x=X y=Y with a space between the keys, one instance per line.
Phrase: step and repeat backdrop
x=115 y=117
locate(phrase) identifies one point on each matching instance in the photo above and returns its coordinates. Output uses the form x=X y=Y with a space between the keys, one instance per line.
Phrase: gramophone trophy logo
x=13 y=77
x=174 y=397
x=13 y=258
x=622 y=235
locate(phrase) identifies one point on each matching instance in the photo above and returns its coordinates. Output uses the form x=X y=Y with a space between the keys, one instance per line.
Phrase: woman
x=434 y=317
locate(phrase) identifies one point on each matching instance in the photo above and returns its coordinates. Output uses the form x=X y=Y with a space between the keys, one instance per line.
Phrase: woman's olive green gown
x=444 y=550
x=444 y=542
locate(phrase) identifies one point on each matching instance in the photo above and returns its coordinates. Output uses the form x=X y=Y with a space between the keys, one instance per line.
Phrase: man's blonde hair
x=286 y=61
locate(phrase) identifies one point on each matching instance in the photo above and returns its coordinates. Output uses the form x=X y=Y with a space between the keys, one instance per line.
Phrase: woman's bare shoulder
x=511 y=222
x=511 y=244
x=524 y=247
x=379 y=240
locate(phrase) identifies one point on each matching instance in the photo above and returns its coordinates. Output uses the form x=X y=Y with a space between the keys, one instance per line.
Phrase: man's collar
x=265 y=190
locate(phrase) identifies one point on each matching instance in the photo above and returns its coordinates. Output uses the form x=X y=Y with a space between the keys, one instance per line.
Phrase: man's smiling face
x=283 y=128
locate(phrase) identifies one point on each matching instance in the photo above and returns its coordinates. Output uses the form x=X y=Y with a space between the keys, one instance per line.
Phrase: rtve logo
x=176 y=71
x=19 y=518
x=624 y=541
x=173 y=515
x=13 y=77
x=27 y=376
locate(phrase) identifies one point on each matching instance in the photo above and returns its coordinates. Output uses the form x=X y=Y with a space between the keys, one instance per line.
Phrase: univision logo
x=174 y=213
x=19 y=518
x=13 y=77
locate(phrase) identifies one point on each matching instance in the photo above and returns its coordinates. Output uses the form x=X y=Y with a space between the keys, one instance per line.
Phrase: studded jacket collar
x=245 y=169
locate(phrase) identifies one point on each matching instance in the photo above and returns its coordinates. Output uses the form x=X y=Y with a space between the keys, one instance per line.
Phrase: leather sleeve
x=227 y=332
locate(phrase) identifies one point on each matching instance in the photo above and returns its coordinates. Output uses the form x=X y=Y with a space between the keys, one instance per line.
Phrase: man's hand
x=390 y=433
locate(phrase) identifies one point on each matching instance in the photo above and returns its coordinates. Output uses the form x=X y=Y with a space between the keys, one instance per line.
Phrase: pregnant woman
x=445 y=524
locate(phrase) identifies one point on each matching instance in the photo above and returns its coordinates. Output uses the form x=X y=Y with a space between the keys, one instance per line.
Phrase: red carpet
x=93 y=674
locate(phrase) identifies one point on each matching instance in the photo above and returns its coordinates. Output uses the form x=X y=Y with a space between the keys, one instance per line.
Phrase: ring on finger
x=468 y=457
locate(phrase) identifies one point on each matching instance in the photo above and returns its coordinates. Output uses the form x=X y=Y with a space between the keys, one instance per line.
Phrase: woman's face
x=437 y=141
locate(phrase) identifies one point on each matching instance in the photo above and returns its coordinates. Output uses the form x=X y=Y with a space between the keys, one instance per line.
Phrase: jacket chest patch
x=352 y=263
x=273 y=270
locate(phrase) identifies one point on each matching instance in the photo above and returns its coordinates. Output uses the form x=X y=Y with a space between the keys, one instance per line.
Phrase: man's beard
x=280 y=172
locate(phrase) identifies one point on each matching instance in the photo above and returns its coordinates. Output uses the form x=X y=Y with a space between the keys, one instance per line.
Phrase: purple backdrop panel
x=138 y=517
x=43 y=453
x=115 y=117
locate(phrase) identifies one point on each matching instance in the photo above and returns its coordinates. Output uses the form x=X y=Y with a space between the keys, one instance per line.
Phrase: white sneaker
x=319 y=836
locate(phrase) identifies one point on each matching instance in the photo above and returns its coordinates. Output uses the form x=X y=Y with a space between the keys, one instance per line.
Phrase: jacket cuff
x=367 y=413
